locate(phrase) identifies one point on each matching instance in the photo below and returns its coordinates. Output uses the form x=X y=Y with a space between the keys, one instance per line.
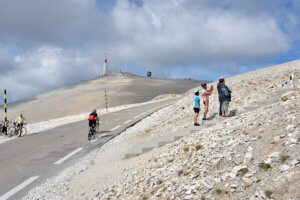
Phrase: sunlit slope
x=82 y=97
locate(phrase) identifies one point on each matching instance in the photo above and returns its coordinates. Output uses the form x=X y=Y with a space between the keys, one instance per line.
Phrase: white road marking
x=127 y=122
x=115 y=128
x=137 y=116
x=68 y=156
x=18 y=188
x=94 y=140
x=103 y=135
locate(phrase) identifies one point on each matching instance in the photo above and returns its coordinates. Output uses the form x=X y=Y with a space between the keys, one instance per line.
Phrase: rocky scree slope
x=254 y=155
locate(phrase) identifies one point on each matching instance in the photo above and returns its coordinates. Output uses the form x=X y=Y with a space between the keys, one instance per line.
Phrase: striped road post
x=106 y=100
x=5 y=113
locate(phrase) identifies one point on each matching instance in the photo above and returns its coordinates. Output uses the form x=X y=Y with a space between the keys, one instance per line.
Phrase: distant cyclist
x=20 y=120
x=93 y=119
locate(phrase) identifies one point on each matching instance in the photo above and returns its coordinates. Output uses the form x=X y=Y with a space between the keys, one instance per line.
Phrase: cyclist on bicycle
x=93 y=118
x=20 y=120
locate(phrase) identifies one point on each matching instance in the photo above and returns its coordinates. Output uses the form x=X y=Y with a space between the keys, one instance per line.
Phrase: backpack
x=92 y=118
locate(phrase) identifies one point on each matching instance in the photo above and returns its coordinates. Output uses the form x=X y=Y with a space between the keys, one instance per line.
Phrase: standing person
x=224 y=97
x=196 y=108
x=205 y=95
x=20 y=120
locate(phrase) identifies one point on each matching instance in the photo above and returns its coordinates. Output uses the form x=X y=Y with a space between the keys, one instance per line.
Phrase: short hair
x=221 y=80
x=197 y=93
x=203 y=84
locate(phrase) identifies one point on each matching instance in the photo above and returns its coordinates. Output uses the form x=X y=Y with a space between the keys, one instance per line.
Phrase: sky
x=47 y=44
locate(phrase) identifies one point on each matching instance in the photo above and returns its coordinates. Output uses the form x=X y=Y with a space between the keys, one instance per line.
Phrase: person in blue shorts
x=196 y=108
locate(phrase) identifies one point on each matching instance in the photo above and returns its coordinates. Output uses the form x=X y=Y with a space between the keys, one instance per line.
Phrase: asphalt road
x=28 y=161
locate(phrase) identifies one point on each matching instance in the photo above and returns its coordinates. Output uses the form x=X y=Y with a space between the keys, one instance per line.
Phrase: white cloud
x=46 y=68
x=59 y=42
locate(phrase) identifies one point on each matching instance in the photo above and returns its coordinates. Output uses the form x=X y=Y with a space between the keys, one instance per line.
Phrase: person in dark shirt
x=93 y=118
x=224 y=97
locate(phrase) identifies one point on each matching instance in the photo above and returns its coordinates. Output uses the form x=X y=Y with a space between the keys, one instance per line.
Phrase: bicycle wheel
x=90 y=135
x=12 y=131
x=23 y=131
x=1 y=126
x=97 y=128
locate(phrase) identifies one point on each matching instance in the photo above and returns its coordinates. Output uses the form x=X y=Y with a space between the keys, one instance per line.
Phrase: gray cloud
x=47 y=44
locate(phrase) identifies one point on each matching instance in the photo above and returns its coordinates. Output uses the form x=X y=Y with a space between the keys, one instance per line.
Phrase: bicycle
x=92 y=132
x=1 y=126
x=14 y=130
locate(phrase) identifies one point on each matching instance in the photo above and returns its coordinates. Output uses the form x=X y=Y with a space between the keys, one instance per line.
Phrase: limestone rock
x=288 y=95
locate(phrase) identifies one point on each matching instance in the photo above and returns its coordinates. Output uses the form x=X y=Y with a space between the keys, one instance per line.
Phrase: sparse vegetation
x=198 y=147
x=158 y=182
x=202 y=198
x=268 y=193
x=186 y=148
x=218 y=191
x=264 y=166
x=179 y=172
x=243 y=171
x=144 y=198
x=283 y=158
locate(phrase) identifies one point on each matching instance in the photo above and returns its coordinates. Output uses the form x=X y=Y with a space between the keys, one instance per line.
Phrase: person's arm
x=210 y=90
x=227 y=88
x=225 y=91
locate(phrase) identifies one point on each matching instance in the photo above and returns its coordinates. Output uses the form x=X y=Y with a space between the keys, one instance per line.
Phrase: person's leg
x=20 y=129
x=196 y=110
x=225 y=108
x=220 y=109
x=196 y=117
x=205 y=109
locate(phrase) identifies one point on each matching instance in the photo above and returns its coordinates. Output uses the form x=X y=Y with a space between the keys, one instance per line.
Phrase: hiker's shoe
x=204 y=118
x=196 y=124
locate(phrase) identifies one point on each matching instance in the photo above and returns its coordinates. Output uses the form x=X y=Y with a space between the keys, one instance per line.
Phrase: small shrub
x=243 y=171
x=268 y=193
x=264 y=166
x=186 y=149
x=158 y=182
x=198 y=147
x=283 y=158
x=145 y=198
x=202 y=198
x=179 y=172
x=170 y=160
x=218 y=191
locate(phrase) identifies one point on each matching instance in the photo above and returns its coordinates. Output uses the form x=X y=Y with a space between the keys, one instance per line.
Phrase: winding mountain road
x=28 y=161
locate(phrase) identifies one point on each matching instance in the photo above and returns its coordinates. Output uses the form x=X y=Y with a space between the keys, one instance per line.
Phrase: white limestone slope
x=254 y=155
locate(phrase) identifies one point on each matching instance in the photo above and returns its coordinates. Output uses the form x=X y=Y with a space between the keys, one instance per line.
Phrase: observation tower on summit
x=105 y=66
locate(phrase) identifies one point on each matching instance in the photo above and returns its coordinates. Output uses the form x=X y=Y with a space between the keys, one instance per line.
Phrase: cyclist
x=93 y=119
x=20 y=120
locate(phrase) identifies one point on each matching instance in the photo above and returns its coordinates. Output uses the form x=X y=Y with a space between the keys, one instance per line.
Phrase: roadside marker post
x=106 y=100
x=5 y=113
